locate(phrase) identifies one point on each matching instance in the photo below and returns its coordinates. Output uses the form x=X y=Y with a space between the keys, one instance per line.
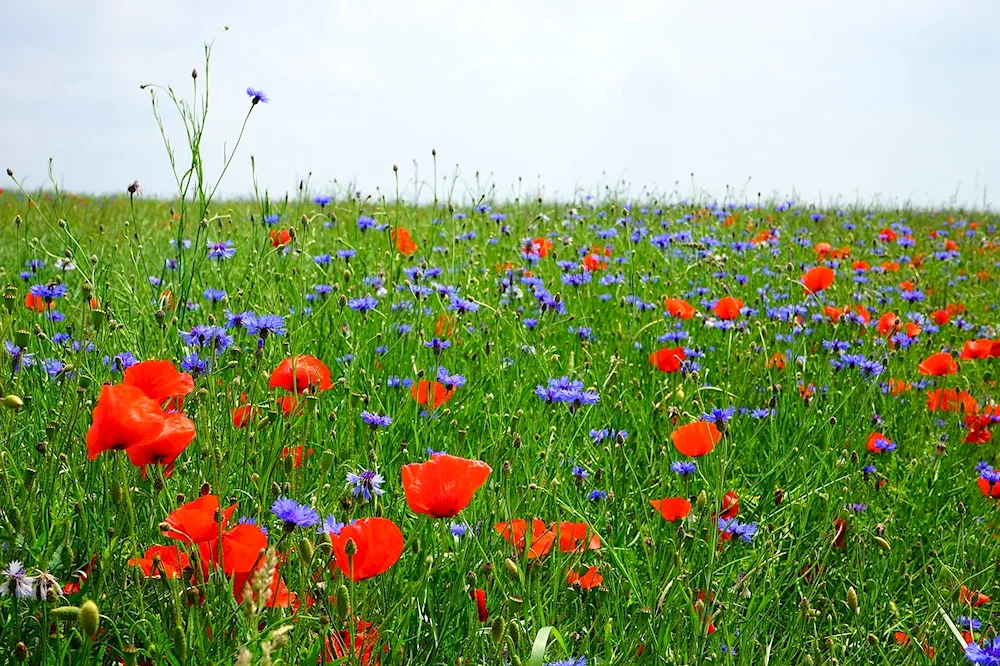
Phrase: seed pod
x=852 y=601
x=89 y=618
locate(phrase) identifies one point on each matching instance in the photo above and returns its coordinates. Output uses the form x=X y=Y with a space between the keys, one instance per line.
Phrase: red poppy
x=288 y=404
x=404 y=242
x=444 y=324
x=991 y=490
x=938 y=365
x=171 y=562
x=839 y=533
x=860 y=266
x=242 y=415
x=822 y=250
x=297 y=454
x=479 y=596
x=194 y=522
x=887 y=235
x=242 y=549
x=877 y=443
x=678 y=307
x=444 y=485
x=176 y=433
x=300 y=374
x=159 y=380
x=898 y=386
x=431 y=393
x=587 y=581
x=777 y=360
x=941 y=317
x=890 y=266
x=515 y=532
x=124 y=416
x=668 y=359
x=278 y=594
x=951 y=400
x=730 y=505
x=817 y=279
x=539 y=246
x=37 y=303
x=338 y=646
x=974 y=349
x=696 y=439
x=576 y=537
x=595 y=260
x=280 y=237
x=974 y=599
x=672 y=508
x=727 y=308
x=378 y=543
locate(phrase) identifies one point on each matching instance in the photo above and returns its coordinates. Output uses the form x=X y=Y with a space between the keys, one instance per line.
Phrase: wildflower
x=166 y=559
x=19 y=357
x=442 y=486
x=879 y=443
x=597 y=495
x=580 y=661
x=300 y=374
x=433 y=394
x=672 y=508
x=204 y=335
x=257 y=96
x=330 y=525
x=938 y=365
x=366 y=483
x=376 y=420
x=377 y=544
x=214 y=295
x=323 y=201
x=404 y=243
x=294 y=514
x=667 y=359
x=696 y=439
x=985 y=653
x=363 y=304
x=264 y=325
x=727 y=308
x=817 y=279
x=221 y=251
x=683 y=467
x=586 y=581
x=17 y=581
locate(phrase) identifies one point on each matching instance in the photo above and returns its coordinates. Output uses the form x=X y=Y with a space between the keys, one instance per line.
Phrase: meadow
x=326 y=428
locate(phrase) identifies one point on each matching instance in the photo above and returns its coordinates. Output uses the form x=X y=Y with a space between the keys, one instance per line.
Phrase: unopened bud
x=89 y=618
x=511 y=568
x=852 y=600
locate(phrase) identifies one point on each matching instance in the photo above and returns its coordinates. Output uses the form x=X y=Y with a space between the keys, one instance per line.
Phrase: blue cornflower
x=48 y=292
x=462 y=305
x=579 y=473
x=597 y=495
x=857 y=507
x=294 y=514
x=204 y=335
x=365 y=483
x=984 y=653
x=257 y=96
x=19 y=358
x=34 y=265
x=330 y=525
x=760 y=413
x=363 y=304
x=214 y=295
x=579 y=661
x=244 y=319
x=449 y=381
x=121 y=362
x=719 y=416
x=52 y=366
x=323 y=289
x=264 y=325
x=458 y=530
x=365 y=222
x=437 y=344
x=221 y=251
x=376 y=420
x=968 y=623
x=193 y=364
x=346 y=255
x=322 y=259
x=323 y=200
x=683 y=467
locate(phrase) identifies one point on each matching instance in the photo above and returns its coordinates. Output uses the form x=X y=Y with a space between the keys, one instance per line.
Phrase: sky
x=832 y=102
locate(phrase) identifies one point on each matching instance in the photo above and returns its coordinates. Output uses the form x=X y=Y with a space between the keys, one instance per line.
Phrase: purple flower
x=323 y=201
x=365 y=483
x=264 y=325
x=985 y=653
x=214 y=295
x=294 y=514
x=48 y=292
x=17 y=581
x=19 y=357
x=376 y=420
x=221 y=251
x=363 y=304
x=330 y=525
x=257 y=96
x=683 y=467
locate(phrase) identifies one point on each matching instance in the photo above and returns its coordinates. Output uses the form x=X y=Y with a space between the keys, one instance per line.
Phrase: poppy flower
x=166 y=559
x=951 y=400
x=887 y=235
x=194 y=522
x=817 y=279
x=672 y=508
x=587 y=581
x=730 y=505
x=404 y=242
x=242 y=415
x=300 y=374
x=989 y=487
x=877 y=443
x=278 y=594
x=890 y=266
x=280 y=237
x=37 y=303
x=576 y=537
x=431 y=393
x=678 y=307
x=978 y=435
x=159 y=380
x=378 y=543
x=176 y=433
x=822 y=250
x=595 y=260
x=338 y=646
x=860 y=265
x=479 y=596
x=444 y=485
x=443 y=325
x=974 y=599
x=938 y=365
x=515 y=532
x=696 y=439
x=727 y=308
x=974 y=349
x=288 y=404
x=898 y=386
x=839 y=533
x=124 y=416
x=297 y=454
x=940 y=317
x=777 y=360
x=667 y=359
x=241 y=551
x=539 y=246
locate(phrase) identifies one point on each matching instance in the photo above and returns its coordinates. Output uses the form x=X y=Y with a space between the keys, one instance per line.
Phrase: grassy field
x=441 y=434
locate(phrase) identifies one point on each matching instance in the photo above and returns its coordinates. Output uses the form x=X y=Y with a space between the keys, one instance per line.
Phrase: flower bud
x=511 y=568
x=342 y=602
x=852 y=601
x=13 y=402
x=89 y=618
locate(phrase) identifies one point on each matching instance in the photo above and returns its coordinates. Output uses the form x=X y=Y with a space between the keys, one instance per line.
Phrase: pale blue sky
x=857 y=99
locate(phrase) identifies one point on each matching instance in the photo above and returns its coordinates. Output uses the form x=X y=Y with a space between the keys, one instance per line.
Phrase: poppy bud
x=89 y=618
x=498 y=629
x=852 y=601
x=20 y=650
x=350 y=548
x=66 y=613
x=116 y=492
x=29 y=477
x=514 y=631
x=180 y=644
x=342 y=602
x=511 y=568
x=326 y=461
x=872 y=639
x=779 y=496
x=882 y=543
x=961 y=508
x=84 y=382
x=893 y=611
x=702 y=500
